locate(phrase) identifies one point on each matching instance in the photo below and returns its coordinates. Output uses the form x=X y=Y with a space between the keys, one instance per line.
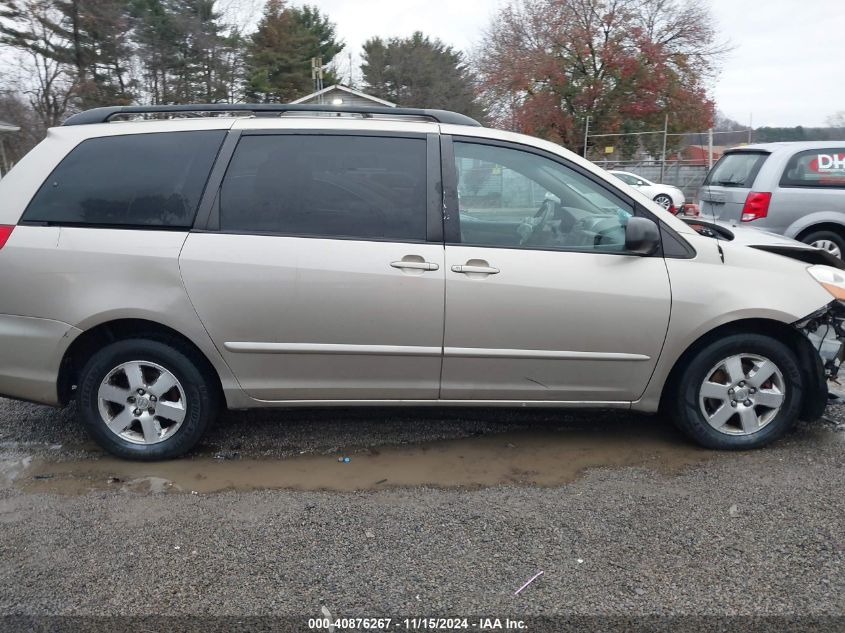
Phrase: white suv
x=261 y=256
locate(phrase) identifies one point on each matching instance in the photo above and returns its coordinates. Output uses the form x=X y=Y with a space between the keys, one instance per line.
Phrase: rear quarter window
x=816 y=168
x=737 y=169
x=143 y=180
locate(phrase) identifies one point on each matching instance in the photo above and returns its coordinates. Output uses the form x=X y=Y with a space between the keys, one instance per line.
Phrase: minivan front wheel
x=144 y=399
x=741 y=392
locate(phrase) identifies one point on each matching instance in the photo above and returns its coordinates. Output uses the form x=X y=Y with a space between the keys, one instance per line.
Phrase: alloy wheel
x=142 y=402
x=829 y=246
x=742 y=394
x=664 y=201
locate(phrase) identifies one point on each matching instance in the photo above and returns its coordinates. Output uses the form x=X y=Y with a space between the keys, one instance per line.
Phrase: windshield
x=737 y=169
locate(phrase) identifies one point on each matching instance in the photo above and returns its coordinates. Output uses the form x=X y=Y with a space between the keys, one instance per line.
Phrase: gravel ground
x=756 y=533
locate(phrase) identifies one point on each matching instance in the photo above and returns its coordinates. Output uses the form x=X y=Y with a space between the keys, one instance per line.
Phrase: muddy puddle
x=545 y=458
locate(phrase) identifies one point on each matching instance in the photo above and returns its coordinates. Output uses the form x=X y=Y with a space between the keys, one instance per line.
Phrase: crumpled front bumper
x=826 y=331
x=822 y=355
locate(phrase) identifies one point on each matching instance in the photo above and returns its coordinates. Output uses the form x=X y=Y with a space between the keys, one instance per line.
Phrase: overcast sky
x=787 y=66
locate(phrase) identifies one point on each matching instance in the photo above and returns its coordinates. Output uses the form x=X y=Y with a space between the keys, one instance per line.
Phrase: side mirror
x=642 y=237
x=640 y=183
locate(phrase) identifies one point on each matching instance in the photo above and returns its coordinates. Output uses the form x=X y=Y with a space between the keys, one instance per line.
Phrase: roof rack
x=104 y=115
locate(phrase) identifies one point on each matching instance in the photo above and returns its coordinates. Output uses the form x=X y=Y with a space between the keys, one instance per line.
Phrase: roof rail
x=104 y=115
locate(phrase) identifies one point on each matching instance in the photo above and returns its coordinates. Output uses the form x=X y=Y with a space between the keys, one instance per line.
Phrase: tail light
x=5 y=232
x=756 y=206
x=672 y=209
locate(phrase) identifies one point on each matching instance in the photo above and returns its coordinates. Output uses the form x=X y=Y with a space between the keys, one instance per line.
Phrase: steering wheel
x=527 y=230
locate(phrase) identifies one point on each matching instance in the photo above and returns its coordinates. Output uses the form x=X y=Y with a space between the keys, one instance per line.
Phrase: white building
x=338 y=95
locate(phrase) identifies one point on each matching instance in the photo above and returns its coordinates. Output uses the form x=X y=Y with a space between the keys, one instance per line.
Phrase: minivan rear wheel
x=145 y=400
x=741 y=392
x=827 y=241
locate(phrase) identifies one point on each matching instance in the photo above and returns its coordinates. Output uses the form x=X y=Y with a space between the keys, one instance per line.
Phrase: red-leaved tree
x=545 y=65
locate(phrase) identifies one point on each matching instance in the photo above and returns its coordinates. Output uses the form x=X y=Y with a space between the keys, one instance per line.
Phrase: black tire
x=685 y=407
x=201 y=399
x=826 y=236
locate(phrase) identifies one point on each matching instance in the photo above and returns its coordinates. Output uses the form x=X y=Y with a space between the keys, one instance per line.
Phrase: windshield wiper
x=728 y=183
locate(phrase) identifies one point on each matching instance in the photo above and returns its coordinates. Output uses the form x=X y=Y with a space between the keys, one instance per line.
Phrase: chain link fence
x=686 y=175
x=678 y=159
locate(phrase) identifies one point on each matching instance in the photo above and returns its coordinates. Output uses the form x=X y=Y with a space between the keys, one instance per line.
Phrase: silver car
x=794 y=189
x=264 y=256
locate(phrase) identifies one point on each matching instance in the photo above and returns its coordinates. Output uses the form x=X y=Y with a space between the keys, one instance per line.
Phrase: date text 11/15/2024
x=415 y=624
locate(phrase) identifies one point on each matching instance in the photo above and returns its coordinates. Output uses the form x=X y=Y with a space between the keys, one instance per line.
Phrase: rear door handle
x=468 y=269
x=415 y=265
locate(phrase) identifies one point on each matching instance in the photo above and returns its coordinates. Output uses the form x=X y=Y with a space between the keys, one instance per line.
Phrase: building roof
x=8 y=127
x=314 y=97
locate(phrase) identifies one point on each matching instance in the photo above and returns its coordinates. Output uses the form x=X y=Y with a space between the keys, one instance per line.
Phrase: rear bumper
x=31 y=351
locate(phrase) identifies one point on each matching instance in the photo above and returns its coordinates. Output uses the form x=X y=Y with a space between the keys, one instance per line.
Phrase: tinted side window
x=132 y=180
x=512 y=198
x=331 y=186
x=816 y=168
x=738 y=169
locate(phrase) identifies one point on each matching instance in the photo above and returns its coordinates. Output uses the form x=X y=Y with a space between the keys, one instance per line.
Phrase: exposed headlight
x=831 y=279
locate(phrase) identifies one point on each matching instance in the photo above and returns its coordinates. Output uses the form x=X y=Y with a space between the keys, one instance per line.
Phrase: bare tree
x=837 y=119
x=46 y=81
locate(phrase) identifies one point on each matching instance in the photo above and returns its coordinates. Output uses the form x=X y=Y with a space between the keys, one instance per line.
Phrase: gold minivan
x=158 y=263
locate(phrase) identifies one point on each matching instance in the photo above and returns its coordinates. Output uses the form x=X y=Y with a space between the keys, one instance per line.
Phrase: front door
x=542 y=303
x=318 y=280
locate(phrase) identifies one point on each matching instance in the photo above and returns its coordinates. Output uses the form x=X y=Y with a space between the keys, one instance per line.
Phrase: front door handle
x=472 y=269
x=414 y=265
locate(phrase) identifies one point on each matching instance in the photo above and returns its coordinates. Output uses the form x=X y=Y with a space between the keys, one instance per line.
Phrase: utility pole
x=3 y=157
x=663 y=156
x=709 y=149
x=317 y=73
x=586 y=134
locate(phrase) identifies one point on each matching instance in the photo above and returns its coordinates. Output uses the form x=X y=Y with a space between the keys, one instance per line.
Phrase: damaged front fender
x=821 y=354
x=825 y=330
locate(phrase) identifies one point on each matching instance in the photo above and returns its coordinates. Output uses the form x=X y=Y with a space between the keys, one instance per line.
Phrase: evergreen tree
x=98 y=48
x=89 y=37
x=419 y=72
x=326 y=46
x=278 y=55
x=186 y=51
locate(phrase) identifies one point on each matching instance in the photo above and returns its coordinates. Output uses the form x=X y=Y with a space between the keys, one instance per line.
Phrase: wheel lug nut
x=136 y=412
x=731 y=391
x=152 y=398
x=130 y=399
x=742 y=383
x=748 y=403
x=140 y=392
x=151 y=410
x=753 y=390
x=733 y=403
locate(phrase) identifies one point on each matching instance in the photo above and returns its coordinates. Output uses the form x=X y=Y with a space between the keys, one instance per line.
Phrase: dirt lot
x=437 y=512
